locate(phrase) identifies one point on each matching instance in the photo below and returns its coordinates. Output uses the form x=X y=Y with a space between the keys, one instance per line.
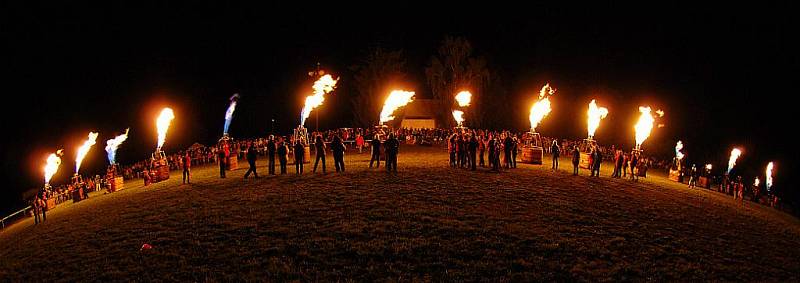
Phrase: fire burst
x=645 y=124
x=735 y=153
x=769 y=175
x=229 y=112
x=463 y=98
x=757 y=182
x=162 y=125
x=595 y=115
x=53 y=161
x=84 y=149
x=397 y=99
x=459 y=116
x=541 y=108
x=678 y=148
x=323 y=85
x=113 y=144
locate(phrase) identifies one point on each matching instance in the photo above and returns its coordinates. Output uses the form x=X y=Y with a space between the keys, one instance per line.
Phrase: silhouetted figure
x=251 y=160
x=555 y=150
x=299 y=152
x=473 y=148
x=271 y=150
x=376 y=151
x=283 y=156
x=576 y=160
x=319 y=148
x=338 y=148
x=221 y=160
x=187 y=165
x=392 y=148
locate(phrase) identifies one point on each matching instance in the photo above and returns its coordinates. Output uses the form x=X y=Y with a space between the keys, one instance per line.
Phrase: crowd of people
x=467 y=148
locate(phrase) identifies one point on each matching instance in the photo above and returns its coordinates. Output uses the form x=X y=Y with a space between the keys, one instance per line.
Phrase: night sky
x=723 y=77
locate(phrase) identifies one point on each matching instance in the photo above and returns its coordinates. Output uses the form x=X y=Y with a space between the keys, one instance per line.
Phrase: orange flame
x=84 y=149
x=323 y=85
x=53 y=162
x=769 y=175
x=678 y=148
x=595 y=115
x=162 y=125
x=735 y=153
x=396 y=99
x=459 y=116
x=541 y=108
x=463 y=98
x=645 y=124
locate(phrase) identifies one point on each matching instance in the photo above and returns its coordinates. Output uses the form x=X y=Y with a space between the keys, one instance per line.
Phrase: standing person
x=598 y=159
x=221 y=159
x=496 y=156
x=359 y=142
x=508 y=146
x=576 y=159
x=555 y=150
x=338 y=149
x=251 y=155
x=376 y=151
x=491 y=146
x=319 y=148
x=634 y=163
x=187 y=164
x=618 y=164
x=283 y=155
x=451 y=148
x=271 y=149
x=625 y=161
x=299 y=152
x=514 y=151
x=693 y=177
x=462 y=151
x=42 y=199
x=473 y=148
x=392 y=148
x=481 y=149
x=35 y=207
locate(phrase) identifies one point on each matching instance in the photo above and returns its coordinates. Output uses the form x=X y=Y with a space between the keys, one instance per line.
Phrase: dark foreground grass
x=428 y=222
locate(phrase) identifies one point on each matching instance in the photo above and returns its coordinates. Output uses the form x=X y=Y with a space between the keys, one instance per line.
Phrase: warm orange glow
x=735 y=153
x=396 y=99
x=323 y=85
x=113 y=144
x=84 y=149
x=463 y=98
x=769 y=175
x=541 y=108
x=678 y=148
x=459 y=116
x=595 y=115
x=53 y=162
x=645 y=124
x=162 y=125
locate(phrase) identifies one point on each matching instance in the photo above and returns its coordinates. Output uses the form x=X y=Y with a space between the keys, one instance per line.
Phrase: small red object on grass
x=146 y=247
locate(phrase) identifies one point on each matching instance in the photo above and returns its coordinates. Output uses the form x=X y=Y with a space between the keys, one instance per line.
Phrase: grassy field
x=427 y=223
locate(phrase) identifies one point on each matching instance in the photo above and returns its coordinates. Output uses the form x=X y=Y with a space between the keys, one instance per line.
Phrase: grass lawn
x=428 y=222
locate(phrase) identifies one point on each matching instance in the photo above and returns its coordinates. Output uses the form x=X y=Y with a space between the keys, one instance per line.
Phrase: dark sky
x=723 y=76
